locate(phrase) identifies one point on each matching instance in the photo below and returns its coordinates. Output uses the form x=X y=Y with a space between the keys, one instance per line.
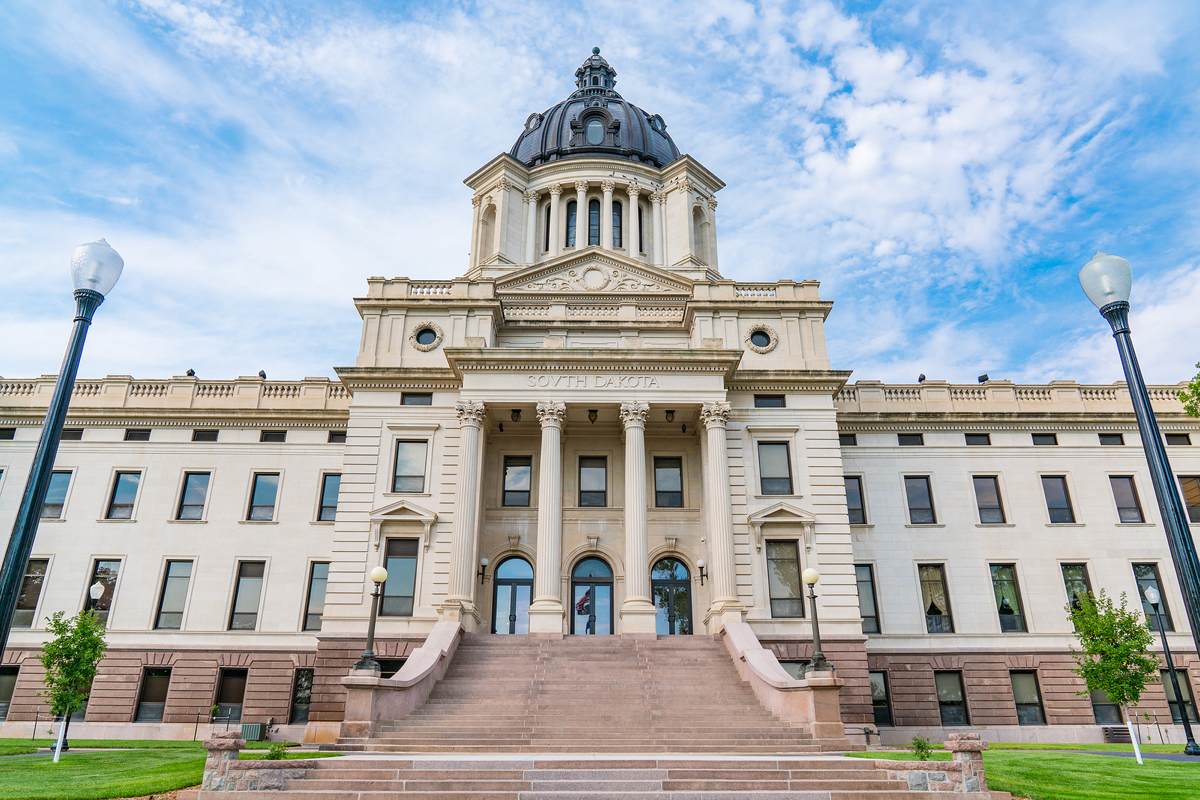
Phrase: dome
x=595 y=121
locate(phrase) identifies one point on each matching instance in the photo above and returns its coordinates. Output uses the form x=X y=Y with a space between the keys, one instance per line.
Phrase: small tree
x=1116 y=657
x=1190 y=395
x=71 y=659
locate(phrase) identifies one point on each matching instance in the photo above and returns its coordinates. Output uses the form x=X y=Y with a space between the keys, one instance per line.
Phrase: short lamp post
x=700 y=565
x=483 y=562
x=1153 y=598
x=1107 y=280
x=378 y=576
x=819 y=664
x=95 y=268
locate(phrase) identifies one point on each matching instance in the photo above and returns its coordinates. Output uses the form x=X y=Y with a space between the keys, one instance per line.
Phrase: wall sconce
x=501 y=427
x=483 y=562
x=592 y=415
x=670 y=415
x=515 y=416
x=700 y=566
x=685 y=428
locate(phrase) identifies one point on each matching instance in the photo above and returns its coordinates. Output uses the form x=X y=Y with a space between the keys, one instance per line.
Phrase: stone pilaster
x=546 y=610
x=581 y=215
x=460 y=602
x=726 y=607
x=637 y=612
x=656 y=201
x=555 y=237
x=606 y=219
x=531 y=198
x=633 y=245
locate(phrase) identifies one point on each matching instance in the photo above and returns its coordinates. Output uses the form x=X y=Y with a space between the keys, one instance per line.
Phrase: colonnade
x=630 y=234
x=547 y=612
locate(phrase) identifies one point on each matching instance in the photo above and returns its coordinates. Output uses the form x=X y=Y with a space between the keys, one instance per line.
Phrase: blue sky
x=944 y=168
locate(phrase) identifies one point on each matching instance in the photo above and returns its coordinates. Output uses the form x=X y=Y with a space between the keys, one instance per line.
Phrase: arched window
x=487 y=233
x=595 y=81
x=595 y=132
x=617 y=223
x=641 y=233
x=591 y=596
x=594 y=222
x=699 y=235
x=514 y=587
x=572 y=215
x=546 y=246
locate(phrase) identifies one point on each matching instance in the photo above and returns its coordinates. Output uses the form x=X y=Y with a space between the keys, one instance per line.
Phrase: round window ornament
x=425 y=336
x=761 y=338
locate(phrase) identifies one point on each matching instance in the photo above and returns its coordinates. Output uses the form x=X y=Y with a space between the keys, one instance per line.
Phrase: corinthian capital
x=470 y=412
x=712 y=203
x=581 y=186
x=658 y=197
x=633 y=414
x=714 y=415
x=531 y=195
x=634 y=190
x=504 y=183
x=607 y=186
x=551 y=415
x=555 y=190
x=476 y=200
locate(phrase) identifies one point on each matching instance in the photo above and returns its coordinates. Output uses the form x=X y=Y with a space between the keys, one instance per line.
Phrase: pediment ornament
x=403 y=511
x=596 y=277
x=786 y=514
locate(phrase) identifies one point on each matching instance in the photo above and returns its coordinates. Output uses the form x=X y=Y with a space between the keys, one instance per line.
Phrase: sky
x=943 y=168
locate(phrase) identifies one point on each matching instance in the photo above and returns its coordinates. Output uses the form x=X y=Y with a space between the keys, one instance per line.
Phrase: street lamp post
x=1192 y=749
x=95 y=591
x=378 y=576
x=819 y=664
x=1107 y=281
x=95 y=268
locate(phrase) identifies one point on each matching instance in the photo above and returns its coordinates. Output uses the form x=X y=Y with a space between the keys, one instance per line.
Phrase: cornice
x=825 y=381
x=859 y=421
x=466 y=359
x=377 y=378
x=180 y=417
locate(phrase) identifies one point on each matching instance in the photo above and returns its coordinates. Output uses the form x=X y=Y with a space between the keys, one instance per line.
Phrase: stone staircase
x=589 y=694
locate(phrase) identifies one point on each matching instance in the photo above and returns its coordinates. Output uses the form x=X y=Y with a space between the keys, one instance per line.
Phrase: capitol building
x=591 y=438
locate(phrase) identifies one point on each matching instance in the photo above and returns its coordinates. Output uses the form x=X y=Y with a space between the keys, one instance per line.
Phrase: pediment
x=592 y=273
x=402 y=511
x=783 y=513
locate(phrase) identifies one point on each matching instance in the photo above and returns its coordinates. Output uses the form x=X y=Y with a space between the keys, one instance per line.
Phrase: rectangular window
x=775 y=467
x=854 y=500
x=273 y=436
x=262 y=497
x=231 y=691
x=979 y=439
x=951 y=700
x=7 y=434
x=318 y=579
x=1028 y=698
x=1147 y=578
x=330 y=486
x=56 y=495
x=137 y=434
x=1191 y=496
x=153 y=699
x=867 y=607
x=783 y=577
x=935 y=599
x=1045 y=439
x=593 y=481
x=1125 y=493
x=848 y=439
x=400 y=586
x=910 y=439
x=195 y=493
x=518 y=478
x=1008 y=598
x=388 y=667
x=174 y=596
x=1112 y=439
x=668 y=482
x=416 y=399
x=1179 y=439
x=244 y=614
x=410 y=467
x=8 y=686
x=769 y=401
x=1173 y=701
x=205 y=434
x=71 y=435
x=1075 y=580
x=920 y=500
x=124 y=493
x=301 y=696
x=987 y=498
x=31 y=591
x=796 y=668
x=881 y=703
x=1104 y=710
x=1058 y=499
x=104 y=573
x=337 y=437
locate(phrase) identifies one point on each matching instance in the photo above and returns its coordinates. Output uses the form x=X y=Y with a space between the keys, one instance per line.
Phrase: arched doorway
x=510 y=602
x=592 y=597
x=671 y=592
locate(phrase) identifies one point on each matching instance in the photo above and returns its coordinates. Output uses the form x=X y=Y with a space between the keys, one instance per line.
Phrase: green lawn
x=97 y=776
x=124 y=744
x=1075 y=776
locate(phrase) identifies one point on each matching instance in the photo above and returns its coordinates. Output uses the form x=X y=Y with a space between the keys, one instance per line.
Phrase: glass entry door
x=514 y=586
x=671 y=592
x=591 y=594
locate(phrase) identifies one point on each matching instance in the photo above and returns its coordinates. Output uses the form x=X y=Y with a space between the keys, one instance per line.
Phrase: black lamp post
x=378 y=576
x=95 y=268
x=1192 y=749
x=819 y=664
x=1107 y=281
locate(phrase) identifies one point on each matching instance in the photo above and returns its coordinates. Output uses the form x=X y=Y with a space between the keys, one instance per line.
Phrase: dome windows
x=572 y=217
x=595 y=132
x=594 y=222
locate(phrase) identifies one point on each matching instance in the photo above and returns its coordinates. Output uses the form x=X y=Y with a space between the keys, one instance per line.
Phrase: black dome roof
x=567 y=130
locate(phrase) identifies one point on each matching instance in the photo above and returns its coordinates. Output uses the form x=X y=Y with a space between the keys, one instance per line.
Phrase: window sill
x=1064 y=524
x=862 y=525
x=187 y=521
x=995 y=525
x=43 y=520
x=777 y=496
x=106 y=521
x=257 y=522
x=927 y=525
x=1135 y=524
x=407 y=494
x=321 y=522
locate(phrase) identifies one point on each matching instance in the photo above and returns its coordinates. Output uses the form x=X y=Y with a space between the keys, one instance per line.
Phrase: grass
x=1077 y=776
x=244 y=756
x=126 y=744
x=97 y=776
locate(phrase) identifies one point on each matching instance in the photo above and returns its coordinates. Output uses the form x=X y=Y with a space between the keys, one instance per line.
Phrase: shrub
x=277 y=752
x=921 y=748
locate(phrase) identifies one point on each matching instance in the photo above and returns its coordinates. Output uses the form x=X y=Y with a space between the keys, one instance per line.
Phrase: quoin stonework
x=591 y=433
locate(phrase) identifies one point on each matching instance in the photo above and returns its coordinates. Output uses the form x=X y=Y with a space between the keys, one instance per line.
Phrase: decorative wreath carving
x=420 y=326
x=533 y=121
x=768 y=330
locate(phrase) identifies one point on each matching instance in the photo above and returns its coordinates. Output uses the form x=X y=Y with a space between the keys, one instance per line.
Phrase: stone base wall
x=333 y=661
x=848 y=655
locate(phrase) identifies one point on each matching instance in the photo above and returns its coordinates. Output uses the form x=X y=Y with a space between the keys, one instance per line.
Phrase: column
x=606 y=231
x=637 y=612
x=656 y=200
x=531 y=198
x=712 y=233
x=719 y=518
x=476 y=210
x=546 y=610
x=633 y=245
x=581 y=215
x=460 y=599
x=555 y=238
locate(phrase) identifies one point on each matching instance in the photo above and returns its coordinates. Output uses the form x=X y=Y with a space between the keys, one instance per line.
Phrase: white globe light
x=1106 y=279
x=810 y=576
x=378 y=575
x=96 y=590
x=483 y=562
x=96 y=266
x=1153 y=596
x=700 y=563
